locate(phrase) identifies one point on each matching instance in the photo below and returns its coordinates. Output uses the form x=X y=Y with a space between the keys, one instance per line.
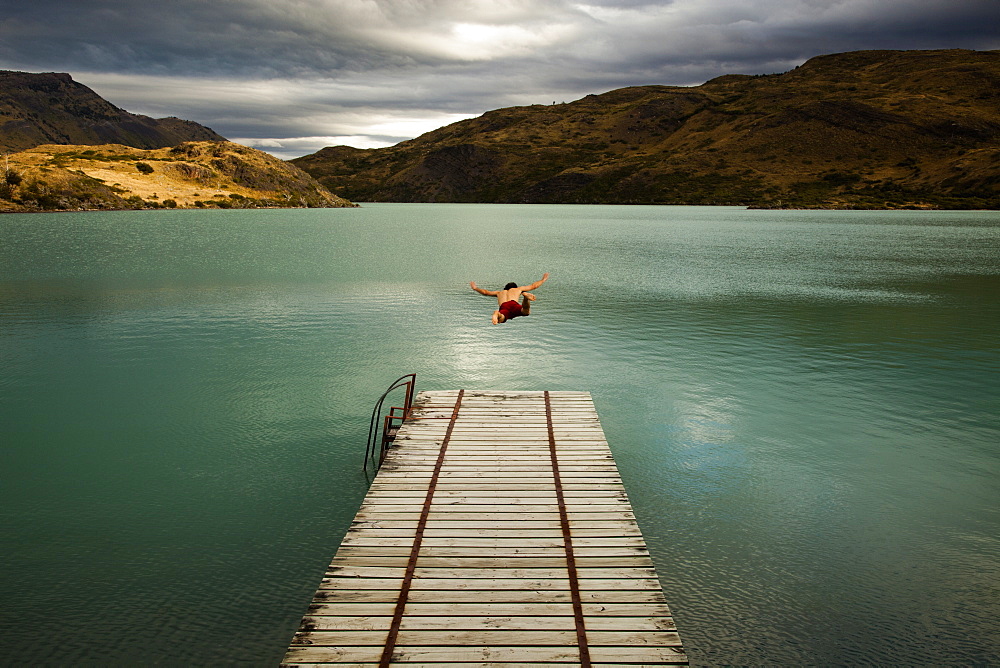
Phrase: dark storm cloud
x=243 y=37
x=294 y=75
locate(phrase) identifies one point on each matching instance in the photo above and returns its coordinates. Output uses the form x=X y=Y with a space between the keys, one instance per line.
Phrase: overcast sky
x=293 y=76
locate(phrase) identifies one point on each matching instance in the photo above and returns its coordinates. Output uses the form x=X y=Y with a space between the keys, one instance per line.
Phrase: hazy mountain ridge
x=51 y=108
x=867 y=129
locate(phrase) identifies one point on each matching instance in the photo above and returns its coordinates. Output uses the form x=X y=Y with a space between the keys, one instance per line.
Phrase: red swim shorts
x=510 y=310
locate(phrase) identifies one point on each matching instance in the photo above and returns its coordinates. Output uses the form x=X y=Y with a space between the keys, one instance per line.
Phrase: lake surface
x=804 y=406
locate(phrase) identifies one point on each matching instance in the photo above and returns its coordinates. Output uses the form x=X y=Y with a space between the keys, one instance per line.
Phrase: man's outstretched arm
x=491 y=293
x=534 y=285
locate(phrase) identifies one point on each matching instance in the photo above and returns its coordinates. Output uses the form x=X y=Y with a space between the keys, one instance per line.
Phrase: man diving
x=507 y=299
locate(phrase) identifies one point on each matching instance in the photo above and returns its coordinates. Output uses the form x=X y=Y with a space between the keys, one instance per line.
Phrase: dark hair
x=509 y=286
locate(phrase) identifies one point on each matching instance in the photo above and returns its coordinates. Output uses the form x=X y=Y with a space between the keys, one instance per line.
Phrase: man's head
x=509 y=286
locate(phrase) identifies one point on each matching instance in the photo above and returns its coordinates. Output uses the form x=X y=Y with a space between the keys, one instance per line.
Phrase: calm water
x=805 y=408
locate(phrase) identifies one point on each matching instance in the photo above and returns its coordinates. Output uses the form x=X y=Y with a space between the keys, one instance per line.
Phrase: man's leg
x=525 y=304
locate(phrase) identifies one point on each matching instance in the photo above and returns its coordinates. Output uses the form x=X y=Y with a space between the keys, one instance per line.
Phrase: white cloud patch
x=263 y=142
x=288 y=148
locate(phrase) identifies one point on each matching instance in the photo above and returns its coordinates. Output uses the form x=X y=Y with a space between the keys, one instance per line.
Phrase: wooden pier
x=496 y=533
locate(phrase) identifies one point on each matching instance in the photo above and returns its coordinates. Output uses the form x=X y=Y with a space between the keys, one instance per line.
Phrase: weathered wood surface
x=496 y=533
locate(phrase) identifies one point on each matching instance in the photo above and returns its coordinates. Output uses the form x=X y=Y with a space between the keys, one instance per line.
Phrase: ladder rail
x=379 y=425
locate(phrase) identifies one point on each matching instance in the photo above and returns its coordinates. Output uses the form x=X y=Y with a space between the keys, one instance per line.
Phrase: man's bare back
x=508 y=306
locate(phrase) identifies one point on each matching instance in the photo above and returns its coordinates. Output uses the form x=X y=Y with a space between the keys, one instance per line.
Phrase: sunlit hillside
x=190 y=175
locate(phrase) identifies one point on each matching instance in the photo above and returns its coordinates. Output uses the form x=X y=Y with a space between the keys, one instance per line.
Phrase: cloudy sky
x=292 y=76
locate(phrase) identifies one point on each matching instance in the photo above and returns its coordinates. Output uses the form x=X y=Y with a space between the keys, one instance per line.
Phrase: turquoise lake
x=804 y=407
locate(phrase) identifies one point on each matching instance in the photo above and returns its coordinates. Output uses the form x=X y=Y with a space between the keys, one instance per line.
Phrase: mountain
x=208 y=174
x=865 y=129
x=51 y=108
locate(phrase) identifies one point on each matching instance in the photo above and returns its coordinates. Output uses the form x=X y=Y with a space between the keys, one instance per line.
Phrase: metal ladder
x=382 y=430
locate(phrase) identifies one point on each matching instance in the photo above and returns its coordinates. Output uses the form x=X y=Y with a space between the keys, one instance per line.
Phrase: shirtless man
x=507 y=299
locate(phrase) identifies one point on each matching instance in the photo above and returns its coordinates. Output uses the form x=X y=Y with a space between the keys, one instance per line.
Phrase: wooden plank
x=431 y=654
x=501 y=513
x=450 y=507
x=362 y=538
x=511 y=623
x=519 y=534
x=512 y=550
x=517 y=573
x=393 y=486
x=493 y=562
x=388 y=495
x=490 y=637
x=491 y=654
x=486 y=584
x=487 y=596
x=439 y=525
x=525 y=534
x=494 y=609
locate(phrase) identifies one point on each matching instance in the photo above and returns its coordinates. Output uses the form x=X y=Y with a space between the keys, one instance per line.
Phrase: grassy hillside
x=190 y=175
x=867 y=129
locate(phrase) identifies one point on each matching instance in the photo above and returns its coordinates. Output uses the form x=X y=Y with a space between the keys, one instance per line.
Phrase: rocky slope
x=867 y=129
x=190 y=175
x=51 y=108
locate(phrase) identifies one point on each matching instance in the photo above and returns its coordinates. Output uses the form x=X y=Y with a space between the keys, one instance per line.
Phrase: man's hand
x=537 y=283
x=490 y=293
